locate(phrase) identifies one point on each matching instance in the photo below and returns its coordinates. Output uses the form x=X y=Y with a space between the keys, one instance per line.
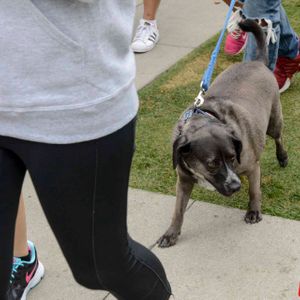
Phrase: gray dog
x=225 y=139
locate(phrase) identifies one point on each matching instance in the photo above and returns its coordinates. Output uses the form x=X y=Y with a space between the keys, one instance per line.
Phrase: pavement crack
x=106 y=296
x=152 y=246
x=176 y=46
x=190 y=205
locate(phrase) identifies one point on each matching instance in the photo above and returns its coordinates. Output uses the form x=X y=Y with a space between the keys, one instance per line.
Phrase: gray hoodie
x=66 y=70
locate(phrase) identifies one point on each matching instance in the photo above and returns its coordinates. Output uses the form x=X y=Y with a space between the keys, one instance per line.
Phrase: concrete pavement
x=217 y=256
x=183 y=26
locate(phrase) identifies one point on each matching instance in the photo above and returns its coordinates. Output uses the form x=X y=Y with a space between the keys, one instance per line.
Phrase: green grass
x=163 y=101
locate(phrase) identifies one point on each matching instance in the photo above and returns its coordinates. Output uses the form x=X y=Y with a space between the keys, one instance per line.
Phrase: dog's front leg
x=184 y=189
x=253 y=214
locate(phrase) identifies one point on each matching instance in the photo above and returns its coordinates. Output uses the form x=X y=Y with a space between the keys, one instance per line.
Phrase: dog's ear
x=180 y=145
x=238 y=147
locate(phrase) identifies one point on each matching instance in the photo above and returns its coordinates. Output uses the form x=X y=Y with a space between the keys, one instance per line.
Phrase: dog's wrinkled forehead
x=212 y=142
x=204 y=140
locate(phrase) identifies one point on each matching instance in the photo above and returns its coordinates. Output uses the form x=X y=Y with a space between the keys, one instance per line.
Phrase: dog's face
x=209 y=154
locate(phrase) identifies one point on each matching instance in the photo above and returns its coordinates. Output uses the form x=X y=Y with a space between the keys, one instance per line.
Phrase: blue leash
x=205 y=83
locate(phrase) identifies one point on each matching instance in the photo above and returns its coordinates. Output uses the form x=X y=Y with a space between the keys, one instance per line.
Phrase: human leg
x=284 y=58
x=25 y=260
x=238 y=4
x=289 y=41
x=147 y=34
x=12 y=172
x=150 y=9
x=288 y=62
x=20 y=240
x=83 y=191
x=268 y=12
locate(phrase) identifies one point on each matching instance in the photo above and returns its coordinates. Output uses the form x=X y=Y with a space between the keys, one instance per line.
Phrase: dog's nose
x=234 y=186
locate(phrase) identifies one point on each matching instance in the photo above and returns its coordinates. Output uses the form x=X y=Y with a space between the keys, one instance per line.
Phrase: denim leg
x=250 y=51
x=289 y=41
x=263 y=9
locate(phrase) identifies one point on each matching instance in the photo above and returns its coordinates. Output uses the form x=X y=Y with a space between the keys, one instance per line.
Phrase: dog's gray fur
x=244 y=105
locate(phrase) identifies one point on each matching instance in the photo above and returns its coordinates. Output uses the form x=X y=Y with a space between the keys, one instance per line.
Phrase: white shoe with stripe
x=146 y=36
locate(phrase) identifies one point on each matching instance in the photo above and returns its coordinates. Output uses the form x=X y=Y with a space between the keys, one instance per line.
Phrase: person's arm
x=237 y=4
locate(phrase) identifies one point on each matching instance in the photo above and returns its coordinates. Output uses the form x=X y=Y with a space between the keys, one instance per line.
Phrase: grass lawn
x=163 y=101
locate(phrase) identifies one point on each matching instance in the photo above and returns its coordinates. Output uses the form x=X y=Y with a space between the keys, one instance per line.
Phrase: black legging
x=82 y=188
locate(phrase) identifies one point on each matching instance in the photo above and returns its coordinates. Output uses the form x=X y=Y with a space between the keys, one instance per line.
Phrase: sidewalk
x=183 y=26
x=218 y=256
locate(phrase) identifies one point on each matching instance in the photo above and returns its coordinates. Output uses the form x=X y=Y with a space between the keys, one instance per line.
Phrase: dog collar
x=196 y=111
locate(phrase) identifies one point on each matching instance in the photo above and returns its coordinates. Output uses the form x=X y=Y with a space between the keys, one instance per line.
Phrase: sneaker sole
x=285 y=86
x=38 y=276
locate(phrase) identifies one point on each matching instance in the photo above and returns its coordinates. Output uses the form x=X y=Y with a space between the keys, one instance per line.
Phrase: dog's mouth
x=226 y=193
x=226 y=189
x=229 y=189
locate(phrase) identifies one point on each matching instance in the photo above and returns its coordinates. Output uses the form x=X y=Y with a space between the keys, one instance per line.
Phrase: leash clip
x=199 y=100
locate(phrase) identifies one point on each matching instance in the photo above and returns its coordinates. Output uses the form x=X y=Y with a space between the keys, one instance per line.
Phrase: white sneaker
x=146 y=36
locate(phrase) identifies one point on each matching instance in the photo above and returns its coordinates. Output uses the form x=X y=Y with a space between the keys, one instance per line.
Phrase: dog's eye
x=186 y=149
x=212 y=164
x=231 y=159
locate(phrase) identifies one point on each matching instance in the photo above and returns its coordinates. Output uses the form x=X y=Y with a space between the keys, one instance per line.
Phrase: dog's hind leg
x=253 y=214
x=281 y=154
x=183 y=192
x=275 y=131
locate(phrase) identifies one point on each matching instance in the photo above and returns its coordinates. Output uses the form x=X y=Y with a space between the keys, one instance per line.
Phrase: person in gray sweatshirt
x=67 y=116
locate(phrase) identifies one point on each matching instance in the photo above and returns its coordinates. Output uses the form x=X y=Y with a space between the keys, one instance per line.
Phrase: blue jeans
x=287 y=43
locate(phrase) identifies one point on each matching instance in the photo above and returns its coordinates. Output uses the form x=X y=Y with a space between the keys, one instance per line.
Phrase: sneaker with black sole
x=25 y=275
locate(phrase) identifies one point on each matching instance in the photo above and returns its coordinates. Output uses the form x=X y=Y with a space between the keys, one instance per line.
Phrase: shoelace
x=236 y=34
x=235 y=31
x=234 y=20
x=233 y=27
x=16 y=264
x=271 y=34
x=143 y=32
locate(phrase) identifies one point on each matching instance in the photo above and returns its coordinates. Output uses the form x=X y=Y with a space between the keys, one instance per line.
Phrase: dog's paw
x=283 y=159
x=253 y=217
x=283 y=162
x=168 y=239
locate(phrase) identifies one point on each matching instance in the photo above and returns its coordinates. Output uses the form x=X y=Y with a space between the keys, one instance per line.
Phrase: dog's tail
x=248 y=25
